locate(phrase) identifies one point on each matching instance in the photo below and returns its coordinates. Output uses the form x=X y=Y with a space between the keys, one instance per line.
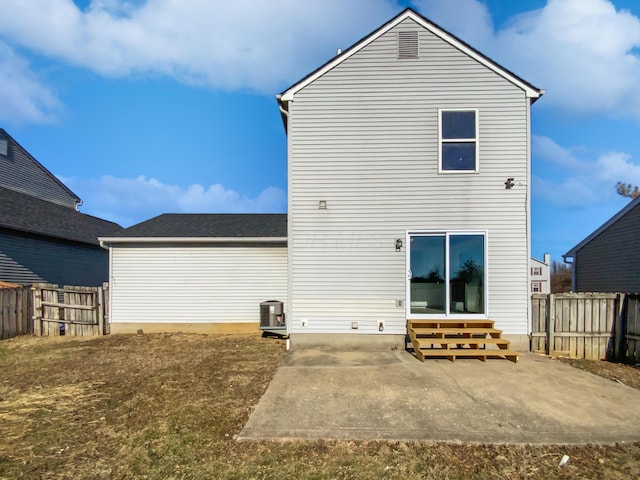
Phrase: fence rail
x=16 y=310
x=595 y=326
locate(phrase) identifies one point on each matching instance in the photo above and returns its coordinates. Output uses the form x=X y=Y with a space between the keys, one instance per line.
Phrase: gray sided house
x=408 y=171
x=43 y=238
x=408 y=198
x=608 y=259
x=22 y=173
x=196 y=272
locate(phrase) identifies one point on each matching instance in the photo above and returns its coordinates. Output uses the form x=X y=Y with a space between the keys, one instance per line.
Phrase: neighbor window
x=536 y=287
x=4 y=146
x=536 y=270
x=458 y=140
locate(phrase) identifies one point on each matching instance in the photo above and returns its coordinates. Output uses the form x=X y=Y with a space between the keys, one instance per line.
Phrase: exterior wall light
x=509 y=184
x=398 y=245
x=322 y=204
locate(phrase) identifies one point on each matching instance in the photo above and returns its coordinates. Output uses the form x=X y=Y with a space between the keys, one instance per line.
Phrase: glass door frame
x=448 y=314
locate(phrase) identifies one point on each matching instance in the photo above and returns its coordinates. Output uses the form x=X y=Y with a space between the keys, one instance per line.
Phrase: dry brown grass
x=625 y=374
x=169 y=406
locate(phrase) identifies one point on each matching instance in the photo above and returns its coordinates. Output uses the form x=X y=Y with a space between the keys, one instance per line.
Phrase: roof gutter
x=565 y=258
x=535 y=98
x=106 y=241
x=284 y=113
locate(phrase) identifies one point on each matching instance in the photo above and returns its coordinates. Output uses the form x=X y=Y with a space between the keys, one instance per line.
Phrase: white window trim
x=447 y=234
x=454 y=140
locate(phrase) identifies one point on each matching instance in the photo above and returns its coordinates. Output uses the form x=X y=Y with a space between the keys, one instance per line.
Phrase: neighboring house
x=408 y=198
x=608 y=259
x=43 y=238
x=199 y=272
x=540 y=272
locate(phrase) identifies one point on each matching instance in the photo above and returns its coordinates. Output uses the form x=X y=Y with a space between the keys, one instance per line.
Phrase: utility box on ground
x=272 y=315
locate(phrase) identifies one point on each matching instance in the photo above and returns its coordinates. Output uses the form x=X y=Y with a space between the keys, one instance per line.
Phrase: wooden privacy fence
x=77 y=311
x=594 y=326
x=16 y=312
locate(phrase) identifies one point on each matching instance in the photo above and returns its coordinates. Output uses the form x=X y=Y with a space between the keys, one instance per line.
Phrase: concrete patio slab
x=365 y=395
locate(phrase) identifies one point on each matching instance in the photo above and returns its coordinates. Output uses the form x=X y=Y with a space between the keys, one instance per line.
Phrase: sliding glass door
x=447 y=274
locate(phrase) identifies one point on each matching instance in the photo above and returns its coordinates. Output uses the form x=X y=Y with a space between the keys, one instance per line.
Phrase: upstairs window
x=458 y=140
x=536 y=270
x=4 y=146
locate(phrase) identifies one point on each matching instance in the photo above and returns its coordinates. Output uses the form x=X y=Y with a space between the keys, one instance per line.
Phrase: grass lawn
x=169 y=407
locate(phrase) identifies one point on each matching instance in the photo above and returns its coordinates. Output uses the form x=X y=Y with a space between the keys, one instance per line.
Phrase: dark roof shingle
x=25 y=213
x=209 y=225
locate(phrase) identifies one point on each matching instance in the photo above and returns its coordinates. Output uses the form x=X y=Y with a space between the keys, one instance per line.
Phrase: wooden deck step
x=456 y=331
x=465 y=341
x=469 y=353
x=452 y=323
x=458 y=338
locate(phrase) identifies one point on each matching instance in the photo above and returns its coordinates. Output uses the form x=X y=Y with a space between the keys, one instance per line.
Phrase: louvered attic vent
x=407 y=45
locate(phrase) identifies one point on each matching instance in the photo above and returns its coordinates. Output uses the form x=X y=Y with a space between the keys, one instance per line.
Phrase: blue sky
x=145 y=107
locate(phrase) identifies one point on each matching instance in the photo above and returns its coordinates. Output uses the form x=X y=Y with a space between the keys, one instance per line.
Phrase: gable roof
x=539 y=262
x=189 y=227
x=531 y=91
x=24 y=213
x=630 y=206
x=7 y=183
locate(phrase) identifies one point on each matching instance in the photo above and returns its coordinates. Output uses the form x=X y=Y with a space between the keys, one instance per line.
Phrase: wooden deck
x=458 y=338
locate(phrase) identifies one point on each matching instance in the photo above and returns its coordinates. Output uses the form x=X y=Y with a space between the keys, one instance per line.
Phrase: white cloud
x=242 y=44
x=547 y=149
x=585 y=182
x=132 y=200
x=569 y=193
x=583 y=52
x=23 y=97
x=475 y=27
x=617 y=167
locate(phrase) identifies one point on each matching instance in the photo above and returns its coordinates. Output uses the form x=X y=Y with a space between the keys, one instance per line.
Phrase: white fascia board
x=114 y=240
x=289 y=94
x=529 y=91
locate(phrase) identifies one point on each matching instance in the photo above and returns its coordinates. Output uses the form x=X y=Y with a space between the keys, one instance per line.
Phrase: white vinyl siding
x=364 y=137
x=182 y=283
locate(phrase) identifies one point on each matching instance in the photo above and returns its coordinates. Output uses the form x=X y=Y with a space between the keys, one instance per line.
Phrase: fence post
x=37 y=310
x=4 y=319
x=100 y=310
x=620 y=330
x=105 y=308
x=551 y=312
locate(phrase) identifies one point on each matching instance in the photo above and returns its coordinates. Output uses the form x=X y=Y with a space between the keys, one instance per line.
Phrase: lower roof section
x=206 y=228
